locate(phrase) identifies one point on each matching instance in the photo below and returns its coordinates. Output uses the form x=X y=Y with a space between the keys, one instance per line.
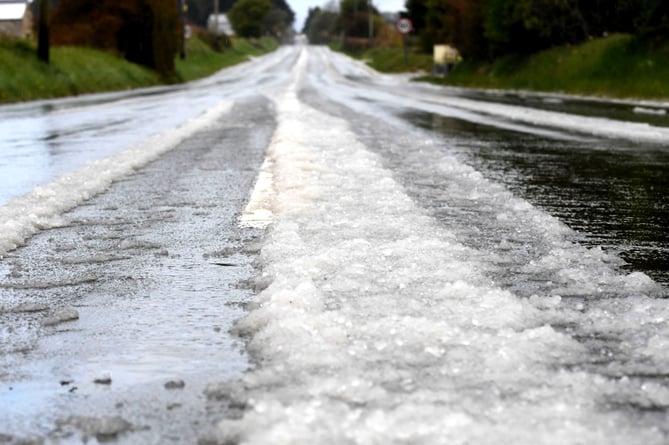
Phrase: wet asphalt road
x=141 y=265
x=157 y=268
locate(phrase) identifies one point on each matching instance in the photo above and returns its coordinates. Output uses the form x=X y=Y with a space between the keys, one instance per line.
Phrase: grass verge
x=390 y=60
x=618 y=66
x=202 y=61
x=77 y=70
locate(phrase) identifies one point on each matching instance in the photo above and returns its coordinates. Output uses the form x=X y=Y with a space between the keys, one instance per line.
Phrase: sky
x=301 y=8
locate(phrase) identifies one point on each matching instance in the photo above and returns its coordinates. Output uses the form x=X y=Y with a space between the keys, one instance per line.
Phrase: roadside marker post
x=404 y=26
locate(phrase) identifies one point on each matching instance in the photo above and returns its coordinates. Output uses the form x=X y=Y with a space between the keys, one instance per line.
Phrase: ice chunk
x=61 y=315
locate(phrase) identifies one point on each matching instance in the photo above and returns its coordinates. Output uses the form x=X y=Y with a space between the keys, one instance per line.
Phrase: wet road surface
x=154 y=269
x=613 y=193
x=430 y=254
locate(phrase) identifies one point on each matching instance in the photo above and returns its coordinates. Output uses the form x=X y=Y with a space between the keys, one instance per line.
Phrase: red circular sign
x=404 y=25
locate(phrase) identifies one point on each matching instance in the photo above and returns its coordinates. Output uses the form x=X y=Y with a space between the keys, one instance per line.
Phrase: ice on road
x=378 y=326
x=375 y=319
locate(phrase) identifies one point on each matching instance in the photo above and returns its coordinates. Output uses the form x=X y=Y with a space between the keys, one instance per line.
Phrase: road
x=301 y=250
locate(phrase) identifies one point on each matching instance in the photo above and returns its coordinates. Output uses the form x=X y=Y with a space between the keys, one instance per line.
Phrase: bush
x=147 y=32
x=247 y=17
x=217 y=42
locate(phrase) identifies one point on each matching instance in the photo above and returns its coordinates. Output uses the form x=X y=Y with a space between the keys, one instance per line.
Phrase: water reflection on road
x=42 y=140
x=653 y=114
x=39 y=143
x=612 y=193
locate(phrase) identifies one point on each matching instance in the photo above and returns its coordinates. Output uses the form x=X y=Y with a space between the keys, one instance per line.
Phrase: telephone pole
x=43 y=31
x=370 y=10
x=216 y=17
x=182 y=25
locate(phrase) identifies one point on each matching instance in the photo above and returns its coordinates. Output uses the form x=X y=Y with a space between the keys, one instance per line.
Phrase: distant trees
x=653 y=20
x=353 y=20
x=248 y=17
x=275 y=23
x=150 y=32
x=480 y=28
x=320 y=25
x=146 y=32
x=458 y=22
x=280 y=17
x=529 y=25
x=283 y=6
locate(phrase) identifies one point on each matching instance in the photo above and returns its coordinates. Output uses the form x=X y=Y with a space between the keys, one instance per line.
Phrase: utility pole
x=43 y=31
x=370 y=10
x=216 y=17
x=182 y=24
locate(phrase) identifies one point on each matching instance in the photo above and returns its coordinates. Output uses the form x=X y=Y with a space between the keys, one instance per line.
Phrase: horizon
x=301 y=8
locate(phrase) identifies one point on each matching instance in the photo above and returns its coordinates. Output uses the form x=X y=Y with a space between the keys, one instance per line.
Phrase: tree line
x=199 y=10
x=150 y=32
x=348 y=18
x=254 y=18
x=146 y=32
x=491 y=28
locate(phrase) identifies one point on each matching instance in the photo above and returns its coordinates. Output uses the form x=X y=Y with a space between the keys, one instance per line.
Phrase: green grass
x=617 y=66
x=390 y=60
x=77 y=70
x=202 y=61
x=71 y=71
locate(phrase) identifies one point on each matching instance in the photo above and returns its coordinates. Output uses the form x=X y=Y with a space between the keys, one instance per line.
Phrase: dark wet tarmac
x=155 y=270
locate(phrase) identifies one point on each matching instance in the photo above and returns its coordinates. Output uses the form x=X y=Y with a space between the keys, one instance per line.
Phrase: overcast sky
x=301 y=7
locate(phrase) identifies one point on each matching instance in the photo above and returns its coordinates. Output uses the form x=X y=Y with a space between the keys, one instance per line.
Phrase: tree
x=247 y=17
x=166 y=34
x=283 y=6
x=354 y=17
x=199 y=10
x=144 y=31
x=311 y=16
x=320 y=26
x=458 y=23
x=417 y=12
x=653 y=21
x=275 y=23
x=497 y=27
x=553 y=22
x=504 y=29
x=607 y=16
x=466 y=30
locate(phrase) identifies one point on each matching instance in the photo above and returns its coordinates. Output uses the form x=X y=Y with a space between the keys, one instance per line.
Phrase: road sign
x=404 y=25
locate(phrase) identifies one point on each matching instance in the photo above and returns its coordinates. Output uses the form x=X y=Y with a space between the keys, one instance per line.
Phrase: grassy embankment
x=75 y=70
x=618 y=66
x=390 y=60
